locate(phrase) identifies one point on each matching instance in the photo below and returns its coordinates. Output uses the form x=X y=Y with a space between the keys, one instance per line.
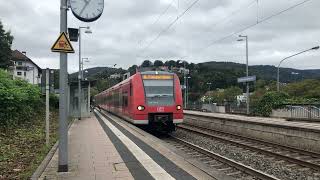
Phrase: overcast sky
x=125 y=34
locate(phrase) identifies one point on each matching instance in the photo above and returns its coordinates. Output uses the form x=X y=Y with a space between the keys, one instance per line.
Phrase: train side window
x=125 y=99
x=130 y=89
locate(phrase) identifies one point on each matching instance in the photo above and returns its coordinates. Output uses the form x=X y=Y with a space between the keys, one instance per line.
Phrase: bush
x=19 y=100
x=54 y=101
x=270 y=100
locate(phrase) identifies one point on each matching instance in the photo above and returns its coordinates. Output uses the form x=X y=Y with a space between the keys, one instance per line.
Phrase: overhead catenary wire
x=159 y=17
x=163 y=13
x=233 y=13
x=250 y=26
x=169 y=26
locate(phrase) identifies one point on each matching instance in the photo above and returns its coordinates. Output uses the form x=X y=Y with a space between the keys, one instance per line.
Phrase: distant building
x=24 y=68
x=115 y=76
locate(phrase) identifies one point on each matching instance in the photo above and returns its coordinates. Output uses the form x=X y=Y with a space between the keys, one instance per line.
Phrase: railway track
x=290 y=157
x=218 y=162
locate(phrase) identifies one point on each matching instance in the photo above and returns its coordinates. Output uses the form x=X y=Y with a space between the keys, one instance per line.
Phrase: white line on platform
x=152 y=167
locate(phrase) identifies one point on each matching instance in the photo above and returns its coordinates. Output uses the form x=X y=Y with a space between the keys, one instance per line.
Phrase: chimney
x=24 y=53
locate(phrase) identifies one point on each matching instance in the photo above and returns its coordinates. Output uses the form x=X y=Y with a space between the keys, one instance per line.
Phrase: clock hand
x=87 y=3
x=84 y=7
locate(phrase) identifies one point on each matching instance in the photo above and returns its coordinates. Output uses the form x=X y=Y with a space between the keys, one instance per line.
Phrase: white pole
x=47 y=107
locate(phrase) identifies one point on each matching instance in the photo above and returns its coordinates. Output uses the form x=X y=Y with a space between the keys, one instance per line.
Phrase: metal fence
x=298 y=112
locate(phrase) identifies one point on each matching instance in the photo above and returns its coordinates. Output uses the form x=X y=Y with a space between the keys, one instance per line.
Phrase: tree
x=181 y=63
x=158 y=63
x=270 y=100
x=132 y=69
x=231 y=93
x=170 y=64
x=5 y=47
x=146 y=63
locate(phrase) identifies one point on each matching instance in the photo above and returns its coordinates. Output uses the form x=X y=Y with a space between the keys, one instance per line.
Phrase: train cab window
x=159 y=92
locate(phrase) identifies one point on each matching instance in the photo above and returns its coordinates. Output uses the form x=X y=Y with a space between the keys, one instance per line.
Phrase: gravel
x=254 y=160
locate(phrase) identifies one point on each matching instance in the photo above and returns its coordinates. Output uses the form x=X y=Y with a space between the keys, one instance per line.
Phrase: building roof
x=17 y=55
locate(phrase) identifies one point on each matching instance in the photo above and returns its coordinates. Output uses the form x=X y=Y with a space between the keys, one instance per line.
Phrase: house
x=24 y=68
x=115 y=76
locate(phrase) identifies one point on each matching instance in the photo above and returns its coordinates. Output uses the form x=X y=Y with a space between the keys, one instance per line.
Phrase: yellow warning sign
x=62 y=44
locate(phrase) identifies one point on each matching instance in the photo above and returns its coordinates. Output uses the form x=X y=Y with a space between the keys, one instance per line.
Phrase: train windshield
x=159 y=92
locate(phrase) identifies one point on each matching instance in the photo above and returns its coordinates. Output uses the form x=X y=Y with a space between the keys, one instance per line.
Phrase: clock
x=87 y=10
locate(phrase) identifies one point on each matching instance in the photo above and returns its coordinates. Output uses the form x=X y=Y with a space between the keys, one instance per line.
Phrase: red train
x=151 y=98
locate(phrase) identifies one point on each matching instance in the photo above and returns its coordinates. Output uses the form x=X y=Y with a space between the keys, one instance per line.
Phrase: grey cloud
x=126 y=27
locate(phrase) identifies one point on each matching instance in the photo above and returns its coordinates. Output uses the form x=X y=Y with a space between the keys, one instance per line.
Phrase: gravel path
x=258 y=161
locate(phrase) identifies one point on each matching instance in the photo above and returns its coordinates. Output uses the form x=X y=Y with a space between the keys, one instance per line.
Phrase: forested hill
x=225 y=69
x=265 y=72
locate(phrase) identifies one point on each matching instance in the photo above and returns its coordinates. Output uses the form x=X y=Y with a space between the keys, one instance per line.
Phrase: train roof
x=131 y=77
x=156 y=72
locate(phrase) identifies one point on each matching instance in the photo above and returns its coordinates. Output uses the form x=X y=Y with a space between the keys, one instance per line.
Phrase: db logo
x=160 y=109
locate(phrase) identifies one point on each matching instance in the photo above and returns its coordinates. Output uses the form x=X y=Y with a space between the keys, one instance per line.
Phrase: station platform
x=100 y=148
x=301 y=135
x=311 y=126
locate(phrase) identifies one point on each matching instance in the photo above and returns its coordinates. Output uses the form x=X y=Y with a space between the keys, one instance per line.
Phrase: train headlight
x=178 y=107
x=140 y=108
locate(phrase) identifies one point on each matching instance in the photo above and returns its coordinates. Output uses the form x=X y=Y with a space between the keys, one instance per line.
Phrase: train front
x=162 y=103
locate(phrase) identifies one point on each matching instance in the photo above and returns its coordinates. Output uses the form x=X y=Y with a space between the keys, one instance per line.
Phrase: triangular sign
x=62 y=44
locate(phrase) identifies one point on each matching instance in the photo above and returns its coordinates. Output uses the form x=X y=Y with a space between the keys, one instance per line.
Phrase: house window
x=25 y=73
x=19 y=73
x=19 y=63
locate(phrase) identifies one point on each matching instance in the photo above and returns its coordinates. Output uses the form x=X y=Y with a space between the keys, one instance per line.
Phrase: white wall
x=31 y=75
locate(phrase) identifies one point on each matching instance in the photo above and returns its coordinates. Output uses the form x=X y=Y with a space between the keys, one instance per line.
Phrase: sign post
x=63 y=46
x=47 y=106
x=247 y=80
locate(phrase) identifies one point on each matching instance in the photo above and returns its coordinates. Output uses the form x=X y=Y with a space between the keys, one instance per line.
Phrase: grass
x=23 y=148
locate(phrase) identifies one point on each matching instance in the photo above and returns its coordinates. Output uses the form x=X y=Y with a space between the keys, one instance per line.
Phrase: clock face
x=87 y=10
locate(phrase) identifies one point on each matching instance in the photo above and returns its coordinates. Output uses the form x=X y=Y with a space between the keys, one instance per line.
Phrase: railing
x=298 y=112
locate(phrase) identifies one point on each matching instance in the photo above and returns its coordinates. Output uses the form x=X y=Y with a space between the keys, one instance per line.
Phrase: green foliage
x=270 y=100
x=93 y=91
x=5 y=47
x=146 y=63
x=19 y=100
x=158 y=63
x=54 y=101
x=23 y=148
x=132 y=69
x=309 y=88
x=222 y=95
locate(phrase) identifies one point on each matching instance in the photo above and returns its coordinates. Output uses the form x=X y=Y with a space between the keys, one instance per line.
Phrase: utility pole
x=63 y=80
x=247 y=73
x=278 y=71
x=47 y=106
x=209 y=83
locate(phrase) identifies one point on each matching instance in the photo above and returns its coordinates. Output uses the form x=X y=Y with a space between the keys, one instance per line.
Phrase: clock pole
x=63 y=82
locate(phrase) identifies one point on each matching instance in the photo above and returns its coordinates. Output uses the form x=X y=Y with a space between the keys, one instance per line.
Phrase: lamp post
x=278 y=72
x=82 y=65
x=80 y=72
x=247 y=71
x=187 y=91
x=209 y=83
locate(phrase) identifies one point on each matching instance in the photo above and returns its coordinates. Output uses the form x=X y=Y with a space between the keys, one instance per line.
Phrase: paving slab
x=91 y=155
